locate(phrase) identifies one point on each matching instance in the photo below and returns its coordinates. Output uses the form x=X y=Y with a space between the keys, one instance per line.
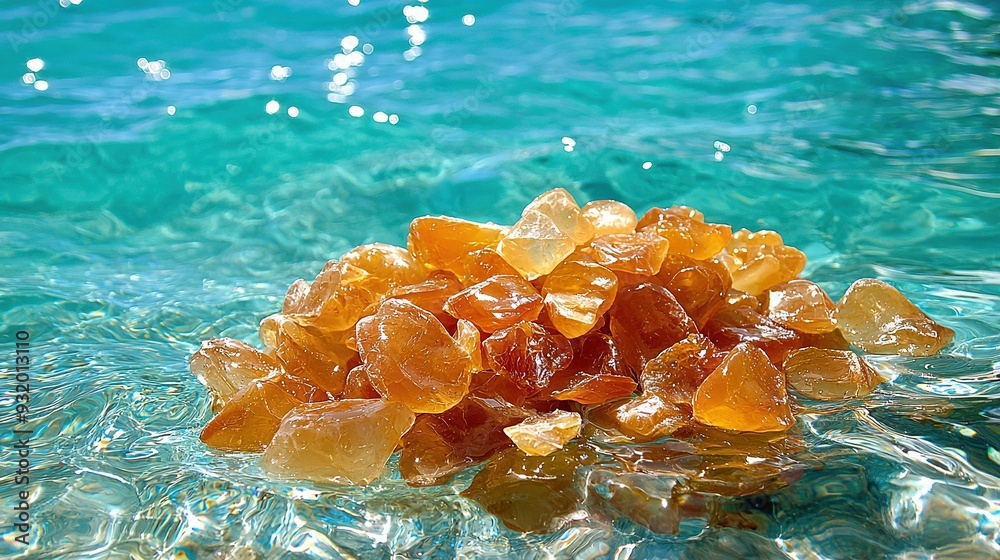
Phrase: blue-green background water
x=865 y=132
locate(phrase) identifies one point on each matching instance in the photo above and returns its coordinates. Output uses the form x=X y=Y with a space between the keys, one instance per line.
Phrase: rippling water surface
x=148 y=200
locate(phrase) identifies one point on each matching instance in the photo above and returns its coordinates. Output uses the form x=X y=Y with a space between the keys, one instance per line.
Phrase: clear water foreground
x=157 y=188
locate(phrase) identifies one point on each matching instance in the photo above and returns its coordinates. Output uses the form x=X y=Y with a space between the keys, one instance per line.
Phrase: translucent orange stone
x=609 y=216
x=385 y=267
x=879 y=319
x=640 y=252
x=687 y=231
x=830 y=375
x=335 y=301
x=701 y=287
x=411 y=359
x=801 y=305
x=675 y=374
x=597 y=373
x=496 y=303
x=444 y=243
x=528 y=354
x=494 y=385
x=645 y=320
x=834 y=340
x=565 y=213
x=760 y=260
x=655 y=214
x=736 y=299
x=431 y=295
x=296 y=296
x=535 y=245
x=733 y=326
x=249 y=420
x=642 y=418
x=543 y=434
x=485 y=264
x=341 y=442
x=468 y=338
x=306 y=353
x=301 y=389
x=626 y=279
x=577 y=293
x=533 y=494
x=226 y=365
x=440 y=445
x=358 y=386
x=746 y=393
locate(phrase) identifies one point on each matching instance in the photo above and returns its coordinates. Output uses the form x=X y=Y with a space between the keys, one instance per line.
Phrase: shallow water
x=864 y=132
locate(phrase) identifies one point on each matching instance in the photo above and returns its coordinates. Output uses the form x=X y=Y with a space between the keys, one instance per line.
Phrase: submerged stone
x=830 y=374
x=533 y=494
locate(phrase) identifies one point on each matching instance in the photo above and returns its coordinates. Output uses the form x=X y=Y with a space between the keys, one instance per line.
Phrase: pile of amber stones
x=604 y=364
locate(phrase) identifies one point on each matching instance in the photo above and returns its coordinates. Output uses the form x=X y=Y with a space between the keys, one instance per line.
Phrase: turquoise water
x=141 y=213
